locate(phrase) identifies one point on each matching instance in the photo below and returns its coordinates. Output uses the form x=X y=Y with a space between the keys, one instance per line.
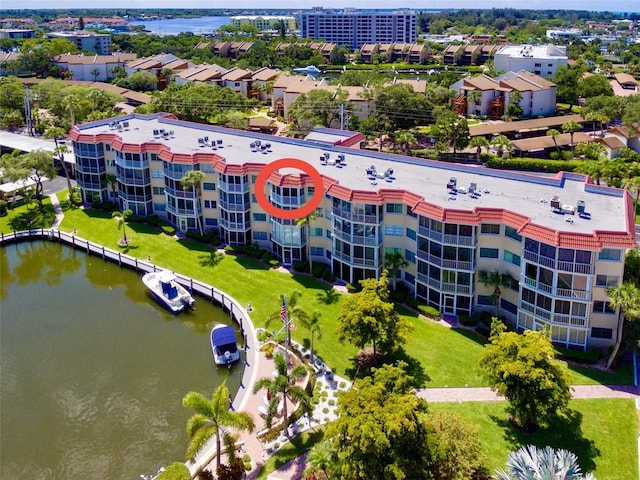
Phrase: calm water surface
x=92 y=370
x=174 y=26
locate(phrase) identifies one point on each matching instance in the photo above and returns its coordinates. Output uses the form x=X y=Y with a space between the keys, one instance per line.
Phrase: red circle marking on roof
x=306 y=209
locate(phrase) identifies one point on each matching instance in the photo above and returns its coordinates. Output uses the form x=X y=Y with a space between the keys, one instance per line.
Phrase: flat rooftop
x=526 y=195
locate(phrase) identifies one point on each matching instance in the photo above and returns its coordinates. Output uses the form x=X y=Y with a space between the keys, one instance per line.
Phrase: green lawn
x=25 y=217
x=605 y=441
x=291 y=450
x=437 y=356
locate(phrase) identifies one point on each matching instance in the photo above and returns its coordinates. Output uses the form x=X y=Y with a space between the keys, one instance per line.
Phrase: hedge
x=428 y=311
x=532 y=164
x=589 y=357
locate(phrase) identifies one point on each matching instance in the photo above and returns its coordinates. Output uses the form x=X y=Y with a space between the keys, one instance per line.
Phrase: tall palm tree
x=625 y=296
x=394 y=261
x=478 y=142
x=533 y=463
x=281 y=387
x=295 y=313
x=495 y=280
x=633 y=185
x=213 y=417
x=553 y=133
x=571 y=127
x=95 y=72
x=312 y=324
x=122 y=223
x=320 y=462
x=305 y=222
x=192 y=180
x=113 y=181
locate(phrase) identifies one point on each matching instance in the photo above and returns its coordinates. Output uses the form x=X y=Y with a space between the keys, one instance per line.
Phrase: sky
x=620 y=5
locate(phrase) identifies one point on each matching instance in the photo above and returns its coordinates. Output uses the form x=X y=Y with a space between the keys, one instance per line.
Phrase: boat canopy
x=166 y=277
x=224 y=336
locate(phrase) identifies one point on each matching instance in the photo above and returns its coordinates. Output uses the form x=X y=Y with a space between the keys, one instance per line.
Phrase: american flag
x=283 y=310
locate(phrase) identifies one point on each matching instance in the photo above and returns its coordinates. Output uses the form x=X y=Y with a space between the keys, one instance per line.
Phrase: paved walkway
x=58 y=210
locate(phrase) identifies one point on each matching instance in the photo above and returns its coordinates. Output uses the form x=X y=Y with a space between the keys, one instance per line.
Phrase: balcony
x=443 y=286
x=135 y=198
x=544 y=261
x=135 y=181
x=357 y=217
x=357 y=240
x=585 y=268
x=241 y=226
x=569 y=320
x=285 y=201
x=556 y=292
x=183 y=212
x=233 y=187
x=366 y=262
x=445 y=263
x=537 y=311
x=233 y=207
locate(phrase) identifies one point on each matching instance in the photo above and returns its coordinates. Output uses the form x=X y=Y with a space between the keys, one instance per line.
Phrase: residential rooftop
x=522 y=200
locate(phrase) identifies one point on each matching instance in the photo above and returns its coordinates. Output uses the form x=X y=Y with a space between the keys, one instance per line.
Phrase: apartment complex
x=356 y=28
x=542 y=60
x=264 y=22
x=99 y=43
x=561 y=239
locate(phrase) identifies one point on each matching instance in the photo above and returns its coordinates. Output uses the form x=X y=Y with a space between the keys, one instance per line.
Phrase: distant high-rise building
x=355 y=28
x=99 y=43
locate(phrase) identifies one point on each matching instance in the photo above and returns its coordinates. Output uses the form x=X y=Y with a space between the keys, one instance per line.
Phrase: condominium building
x=264 y=22
x=542 y=60
x=99 y=43
x=562 y=240
x=356 y=28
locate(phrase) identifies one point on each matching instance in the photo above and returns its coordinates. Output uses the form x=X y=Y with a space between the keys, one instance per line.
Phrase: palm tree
x=553 y=133
x=305 y=222
x=281 y=387
x=478 y=142
x=122 y=223
x=626 y=297
x=571 y=127
x=213 y=417
x=191 y=180
x=294 y=312
x=495 y=280
x=475 y=97
x=95 y=72
x=312 y=323
x=633 y=184
x=60 y=150
x=502 y=142
x=113 y=181
x=406 y=139
x=321 y=460
x=394 y=261
x=533 y=463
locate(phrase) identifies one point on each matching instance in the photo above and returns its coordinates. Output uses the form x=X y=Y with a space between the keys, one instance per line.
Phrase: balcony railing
x=282 y=200
x=185 y=212
x=233 y=187
x=357 y=217
x=540 y=260
x=367 y=262
x=135 y=198
x=585 y=268
x=443 y=286
x=556 y=292
x=357 y=240
x=234 y=207
x=241 y=226
x=569 y=320
x=442 y=262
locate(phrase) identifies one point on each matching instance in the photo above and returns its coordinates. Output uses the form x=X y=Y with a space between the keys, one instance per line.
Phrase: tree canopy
x=379 y=433
x=521 y=368
x=368 y=318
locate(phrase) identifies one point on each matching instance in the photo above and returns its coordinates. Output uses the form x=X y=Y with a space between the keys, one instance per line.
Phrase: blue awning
x=223 y=336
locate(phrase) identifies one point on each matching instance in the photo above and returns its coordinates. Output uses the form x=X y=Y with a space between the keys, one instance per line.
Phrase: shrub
x=137 y=219
x=532 y=164
x=98 y=206
x=153 y=220
x=428 y=311
x=229 y=250
x=327 y=276
x=482 y=330
x=353 y=288
x=469 y=321
x=485 y=318
x=266 y=257
x=3 y=208
x=168 y=230
x=590 y=356
x=302 y=267
x=412 y=302
x=318 y=269
x=268 y=348
x=263 y=336
x=274 y=263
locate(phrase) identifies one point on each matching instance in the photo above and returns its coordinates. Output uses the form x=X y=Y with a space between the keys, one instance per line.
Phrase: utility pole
x=27 y=110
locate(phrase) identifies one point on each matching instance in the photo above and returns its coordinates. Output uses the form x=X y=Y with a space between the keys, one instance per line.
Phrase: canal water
x=174 y=26
x=92 y=370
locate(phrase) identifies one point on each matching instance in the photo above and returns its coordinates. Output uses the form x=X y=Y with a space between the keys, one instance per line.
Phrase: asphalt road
x=56 y=184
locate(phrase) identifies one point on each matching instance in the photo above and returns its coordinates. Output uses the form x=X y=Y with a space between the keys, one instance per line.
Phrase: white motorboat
x=167 y=291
